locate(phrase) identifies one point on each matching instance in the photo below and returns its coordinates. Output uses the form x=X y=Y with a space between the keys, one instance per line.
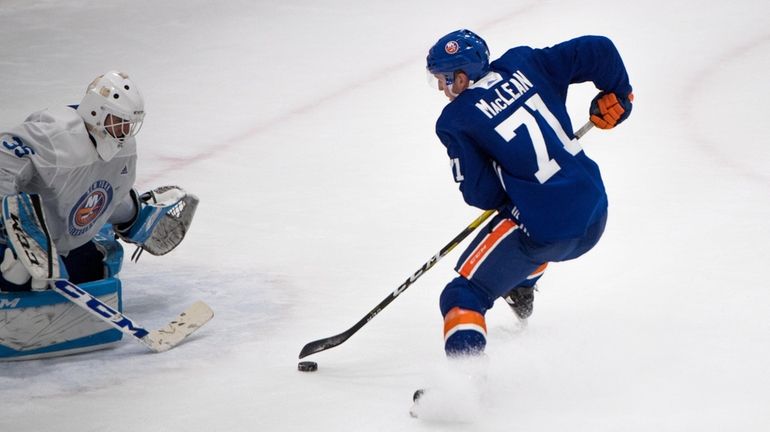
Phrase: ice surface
x=306 y=128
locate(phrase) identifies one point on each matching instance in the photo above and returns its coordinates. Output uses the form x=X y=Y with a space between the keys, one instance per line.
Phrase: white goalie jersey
x=51 y=154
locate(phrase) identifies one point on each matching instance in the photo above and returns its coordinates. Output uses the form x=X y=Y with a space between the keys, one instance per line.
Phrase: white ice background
x=306 y=128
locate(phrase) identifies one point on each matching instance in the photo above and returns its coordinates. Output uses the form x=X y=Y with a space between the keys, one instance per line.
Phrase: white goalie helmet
x=113 y=110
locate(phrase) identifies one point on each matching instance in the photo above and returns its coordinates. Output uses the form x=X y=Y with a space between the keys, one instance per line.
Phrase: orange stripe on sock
x=463 y=317
x=482 y=250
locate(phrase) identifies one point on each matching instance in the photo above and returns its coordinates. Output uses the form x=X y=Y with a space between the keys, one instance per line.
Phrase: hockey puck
x=307 y=366
x=417 y=395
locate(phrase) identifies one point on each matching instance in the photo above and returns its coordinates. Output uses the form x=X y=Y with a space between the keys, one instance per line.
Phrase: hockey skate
x=415 y=400
x=521 y=301
x=455 y=394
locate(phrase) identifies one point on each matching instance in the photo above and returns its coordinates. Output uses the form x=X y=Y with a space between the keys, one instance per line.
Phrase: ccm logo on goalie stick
x=23 y=238
x=9 y=303
x=100 y=308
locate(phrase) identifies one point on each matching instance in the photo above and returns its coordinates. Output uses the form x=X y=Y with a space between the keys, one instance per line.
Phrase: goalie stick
x=159 y=340
x=28 y=237
x=333 y=341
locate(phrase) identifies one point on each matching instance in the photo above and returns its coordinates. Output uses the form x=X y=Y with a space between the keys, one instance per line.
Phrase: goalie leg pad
x=45 y=324
x=28 y=236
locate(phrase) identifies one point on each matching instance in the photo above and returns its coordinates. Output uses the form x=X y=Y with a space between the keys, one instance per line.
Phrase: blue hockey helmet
x=460 y=50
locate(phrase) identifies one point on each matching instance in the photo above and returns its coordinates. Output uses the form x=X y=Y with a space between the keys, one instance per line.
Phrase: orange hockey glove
x=609 y=110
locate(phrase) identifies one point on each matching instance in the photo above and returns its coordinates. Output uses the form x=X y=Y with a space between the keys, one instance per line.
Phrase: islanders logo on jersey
x=451 y=47
x=89 y=207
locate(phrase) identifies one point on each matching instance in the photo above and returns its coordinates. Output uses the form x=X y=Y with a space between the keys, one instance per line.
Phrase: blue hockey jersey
x=511 y=143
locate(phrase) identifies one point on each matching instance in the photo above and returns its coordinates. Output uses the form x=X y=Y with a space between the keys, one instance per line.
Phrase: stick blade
x=323 y=344
x=180 y=328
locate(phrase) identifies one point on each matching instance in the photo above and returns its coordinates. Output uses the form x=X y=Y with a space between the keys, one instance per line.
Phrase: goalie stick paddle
x=156 y=340
x=333 y=341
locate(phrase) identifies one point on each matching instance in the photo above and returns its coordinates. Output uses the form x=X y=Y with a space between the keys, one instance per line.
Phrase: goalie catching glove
x=162 y=219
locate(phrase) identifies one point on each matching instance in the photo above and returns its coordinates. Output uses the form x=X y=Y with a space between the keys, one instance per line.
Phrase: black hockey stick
x=331 y=342
x=583 y=130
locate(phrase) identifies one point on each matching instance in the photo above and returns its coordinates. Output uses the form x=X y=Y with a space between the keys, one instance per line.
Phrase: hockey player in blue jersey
x=512 y=148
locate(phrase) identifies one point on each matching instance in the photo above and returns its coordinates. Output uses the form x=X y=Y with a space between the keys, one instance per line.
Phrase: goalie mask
x=113 y=110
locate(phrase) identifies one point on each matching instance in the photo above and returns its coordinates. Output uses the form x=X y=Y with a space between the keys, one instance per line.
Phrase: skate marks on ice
x=248 y=299
x=503 y=325
x=504 y=332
